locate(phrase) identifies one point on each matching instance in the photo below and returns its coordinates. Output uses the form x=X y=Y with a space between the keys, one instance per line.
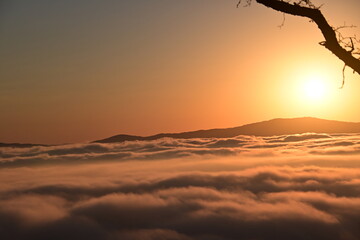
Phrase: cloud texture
x=282 y=187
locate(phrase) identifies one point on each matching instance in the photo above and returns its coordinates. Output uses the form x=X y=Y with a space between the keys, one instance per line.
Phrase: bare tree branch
x=343 y=75
x=304 y=8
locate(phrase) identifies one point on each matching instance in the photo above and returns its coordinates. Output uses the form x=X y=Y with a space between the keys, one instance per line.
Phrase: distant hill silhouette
x=20 y=145
x=267 y=128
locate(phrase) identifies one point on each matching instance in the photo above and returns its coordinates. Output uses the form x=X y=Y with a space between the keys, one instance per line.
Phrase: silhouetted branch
x=283 y=21
x=343 y=75
x=248 y=3
x=304 y=8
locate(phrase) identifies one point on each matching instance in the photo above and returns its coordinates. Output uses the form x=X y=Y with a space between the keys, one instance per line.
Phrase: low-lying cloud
x=281 y=187
x=168 y=148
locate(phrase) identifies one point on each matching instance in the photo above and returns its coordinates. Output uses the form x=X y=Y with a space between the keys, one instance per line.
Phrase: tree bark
x=331 y=42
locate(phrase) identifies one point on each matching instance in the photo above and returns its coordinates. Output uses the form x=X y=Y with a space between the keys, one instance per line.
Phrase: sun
x=315 y=89
x=312 y=93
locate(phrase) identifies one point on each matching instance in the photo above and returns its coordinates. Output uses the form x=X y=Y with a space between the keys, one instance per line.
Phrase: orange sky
x=75 y=71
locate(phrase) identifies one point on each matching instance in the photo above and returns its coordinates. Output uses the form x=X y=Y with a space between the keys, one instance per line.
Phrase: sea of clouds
x=282 y=187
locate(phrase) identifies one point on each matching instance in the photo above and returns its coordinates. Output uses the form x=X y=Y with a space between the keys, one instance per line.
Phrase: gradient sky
x=80 y=70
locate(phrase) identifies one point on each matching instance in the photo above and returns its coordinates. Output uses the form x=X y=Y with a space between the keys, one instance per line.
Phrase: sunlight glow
x=315 y=89
x=313 y=94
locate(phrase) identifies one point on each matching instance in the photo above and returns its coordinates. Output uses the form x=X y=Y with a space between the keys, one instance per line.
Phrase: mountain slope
x=266 y=128
x=20 y=145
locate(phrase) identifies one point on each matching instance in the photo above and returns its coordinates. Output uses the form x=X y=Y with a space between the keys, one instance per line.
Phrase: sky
x=74 y=71
x=77 y=71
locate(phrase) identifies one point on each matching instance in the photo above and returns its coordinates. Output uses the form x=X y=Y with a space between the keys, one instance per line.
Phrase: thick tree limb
x=331 y=42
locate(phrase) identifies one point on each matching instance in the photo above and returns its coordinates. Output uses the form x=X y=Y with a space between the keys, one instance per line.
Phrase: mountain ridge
x=22 y=145
x=277 y=126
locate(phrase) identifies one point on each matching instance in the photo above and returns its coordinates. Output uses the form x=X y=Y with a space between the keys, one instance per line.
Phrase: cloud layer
x=282 y=187
x=167 y=148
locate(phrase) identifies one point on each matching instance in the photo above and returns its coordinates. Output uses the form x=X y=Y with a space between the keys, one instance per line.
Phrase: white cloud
x=237 y=188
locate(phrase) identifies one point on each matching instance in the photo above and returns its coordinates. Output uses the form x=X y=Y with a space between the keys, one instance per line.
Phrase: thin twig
x=283 y=21
x=343 y=74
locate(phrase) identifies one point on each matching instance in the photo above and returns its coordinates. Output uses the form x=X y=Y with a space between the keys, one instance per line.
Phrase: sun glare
x=315 y=89
x=313 y=92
